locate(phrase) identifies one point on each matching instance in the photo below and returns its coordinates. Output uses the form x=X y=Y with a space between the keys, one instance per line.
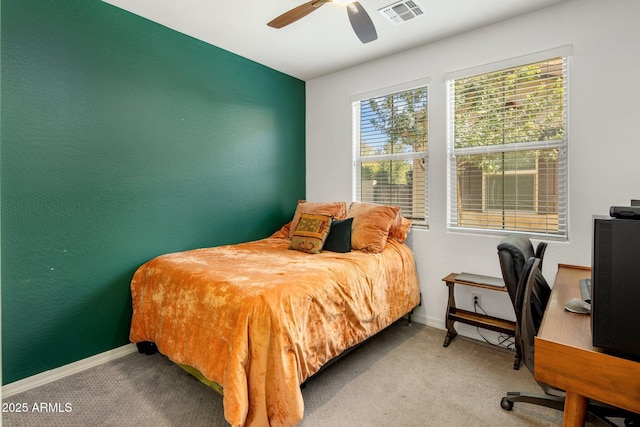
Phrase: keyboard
x=585 y=290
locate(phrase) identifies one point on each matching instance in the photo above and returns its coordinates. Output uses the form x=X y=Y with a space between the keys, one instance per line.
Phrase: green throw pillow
x=339 y=238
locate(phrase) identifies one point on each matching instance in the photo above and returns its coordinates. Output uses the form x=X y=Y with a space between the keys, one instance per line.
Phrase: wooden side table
x=455 y=314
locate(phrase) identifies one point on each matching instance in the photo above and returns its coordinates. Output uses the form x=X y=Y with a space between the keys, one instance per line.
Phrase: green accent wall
x=122 y=140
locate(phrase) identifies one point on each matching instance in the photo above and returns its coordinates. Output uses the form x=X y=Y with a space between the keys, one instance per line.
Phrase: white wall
x=604 y=129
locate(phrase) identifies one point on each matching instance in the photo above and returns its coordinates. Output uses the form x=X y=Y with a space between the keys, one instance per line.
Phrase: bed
x=259 y=318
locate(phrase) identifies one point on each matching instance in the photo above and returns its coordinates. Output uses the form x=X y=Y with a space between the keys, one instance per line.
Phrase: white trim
x=66 y=370
x=401 y=87
x=566 y=51
x=428 y=321
x=507 y=148
x=396 y=156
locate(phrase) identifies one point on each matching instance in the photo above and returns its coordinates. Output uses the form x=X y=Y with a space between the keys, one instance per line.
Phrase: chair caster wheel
x=632 y=422
x=506 y=404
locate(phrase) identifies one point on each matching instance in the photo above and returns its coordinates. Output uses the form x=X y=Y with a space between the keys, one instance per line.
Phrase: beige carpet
x=402 y=377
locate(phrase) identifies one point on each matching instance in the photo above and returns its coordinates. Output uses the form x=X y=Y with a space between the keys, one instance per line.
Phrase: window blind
x=390 y=151
x=507 y=148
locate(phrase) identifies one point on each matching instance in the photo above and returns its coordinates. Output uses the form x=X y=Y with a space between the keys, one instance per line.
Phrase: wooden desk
x=565 y=357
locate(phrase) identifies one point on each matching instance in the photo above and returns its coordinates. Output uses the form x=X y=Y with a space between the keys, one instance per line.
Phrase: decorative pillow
x=311 y=233
x=338 y=210
x=283 y=233
x=371 y=225
x=339 y=238
x=400 y=229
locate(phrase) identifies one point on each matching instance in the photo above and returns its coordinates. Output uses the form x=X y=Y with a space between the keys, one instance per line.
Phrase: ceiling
x=323 y=41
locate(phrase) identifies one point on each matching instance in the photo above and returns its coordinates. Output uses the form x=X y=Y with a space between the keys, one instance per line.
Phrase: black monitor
x=615 y=300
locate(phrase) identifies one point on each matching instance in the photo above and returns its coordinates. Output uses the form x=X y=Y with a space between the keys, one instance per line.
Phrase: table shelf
x=483 y=321
x=455 y=314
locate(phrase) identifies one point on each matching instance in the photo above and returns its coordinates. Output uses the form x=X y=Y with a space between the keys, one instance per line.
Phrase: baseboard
x=431 y=321
x=66 y=370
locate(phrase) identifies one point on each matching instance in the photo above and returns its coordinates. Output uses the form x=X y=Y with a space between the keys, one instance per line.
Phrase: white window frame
x=358 y=159
x=560 y=144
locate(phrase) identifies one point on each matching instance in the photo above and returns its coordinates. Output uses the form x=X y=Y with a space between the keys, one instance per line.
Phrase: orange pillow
x=371 y=225
x=283 y=233
x=400 y=229
x=338 y=210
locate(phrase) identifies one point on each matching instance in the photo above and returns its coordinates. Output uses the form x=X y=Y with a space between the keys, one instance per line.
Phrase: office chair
x=513 y=252
x=535 y=296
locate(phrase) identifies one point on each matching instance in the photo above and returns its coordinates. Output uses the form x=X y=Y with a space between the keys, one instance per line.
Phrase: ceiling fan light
x=343 y=1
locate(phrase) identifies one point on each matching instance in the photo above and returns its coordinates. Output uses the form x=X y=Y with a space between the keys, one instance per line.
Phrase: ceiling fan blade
x=296 y=13
x=361 y=23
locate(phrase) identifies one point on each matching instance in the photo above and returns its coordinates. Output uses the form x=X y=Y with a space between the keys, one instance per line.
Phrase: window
x=507 y=148
x=390 y=150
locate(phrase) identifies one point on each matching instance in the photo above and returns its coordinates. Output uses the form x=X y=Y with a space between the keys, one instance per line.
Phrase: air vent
x=402 y=11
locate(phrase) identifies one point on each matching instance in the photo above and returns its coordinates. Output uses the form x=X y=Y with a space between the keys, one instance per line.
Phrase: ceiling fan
x=359 y=18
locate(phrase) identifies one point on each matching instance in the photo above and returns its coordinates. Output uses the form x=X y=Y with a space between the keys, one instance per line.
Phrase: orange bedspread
x=259 y=319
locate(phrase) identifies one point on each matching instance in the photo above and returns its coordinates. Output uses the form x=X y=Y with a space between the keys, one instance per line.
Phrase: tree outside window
x=507 y=147
x=391 y=135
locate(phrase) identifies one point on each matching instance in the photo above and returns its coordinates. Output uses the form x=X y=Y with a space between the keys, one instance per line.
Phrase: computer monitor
x=615 y=300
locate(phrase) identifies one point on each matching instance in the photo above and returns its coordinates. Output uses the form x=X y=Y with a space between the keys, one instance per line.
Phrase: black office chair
x=535 y=296
x=513 y=252
x=532 y=290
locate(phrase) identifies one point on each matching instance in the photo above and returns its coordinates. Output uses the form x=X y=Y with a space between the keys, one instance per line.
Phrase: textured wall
x=122 y=140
